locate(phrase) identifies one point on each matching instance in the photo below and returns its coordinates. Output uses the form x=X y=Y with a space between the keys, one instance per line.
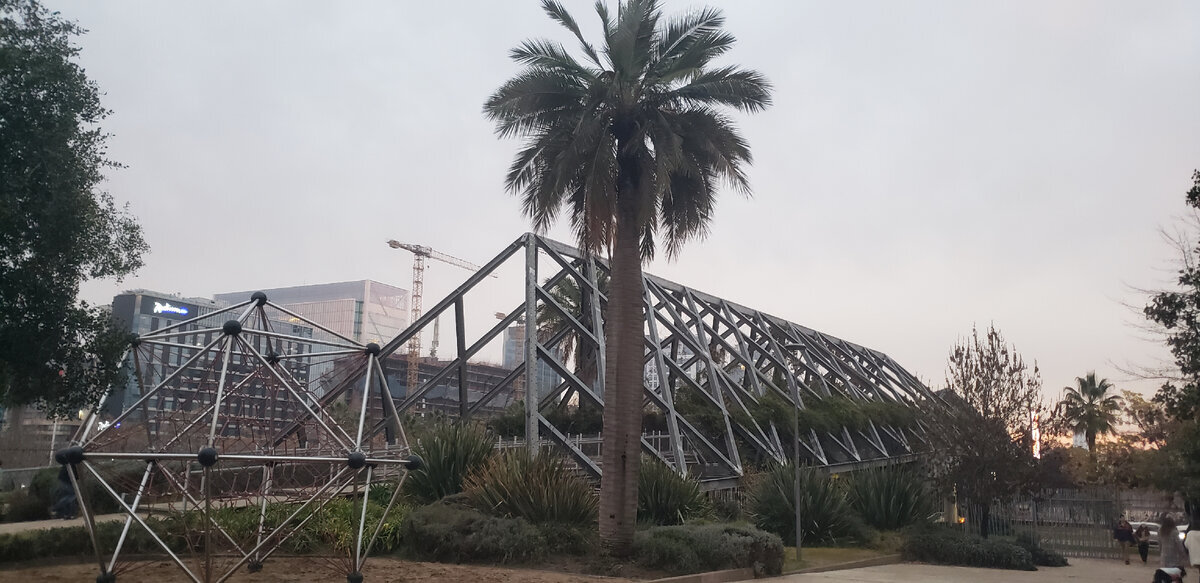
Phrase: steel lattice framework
x=724 y=357
x=242 y=431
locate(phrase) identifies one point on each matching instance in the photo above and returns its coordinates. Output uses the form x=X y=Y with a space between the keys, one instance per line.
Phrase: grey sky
x=926 y=165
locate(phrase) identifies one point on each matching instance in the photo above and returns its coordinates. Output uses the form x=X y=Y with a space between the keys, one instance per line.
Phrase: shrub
x=692 y=548
x=665 y=497
x=946 y=546
x=23 y=507
x=450 y=451
x=539 y=489
x=1042 y=557
x=450 y=533
x=825 y=515
x=889 y=498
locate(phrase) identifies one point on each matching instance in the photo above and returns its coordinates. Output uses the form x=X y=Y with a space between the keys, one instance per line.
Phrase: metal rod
x=160 y=456
x=139 y=520
x=88 y=520
x=129 y=521
x=387 y=510
x=366 y=392
x=216 y=414
x=307 y=321
x=531 y=376
x=206 y=487
x=362 y=521
x=268 y=474
x=461 y=345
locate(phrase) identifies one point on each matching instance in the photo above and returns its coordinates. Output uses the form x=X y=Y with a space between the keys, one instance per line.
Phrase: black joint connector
x=414 y=463
x=106 y=577
x=70 y=455
x=232 y=327
x=254 y=566
x=373 y=349
x=207 y=456
x=259 y=298
x=356 y=460
x=354 y=577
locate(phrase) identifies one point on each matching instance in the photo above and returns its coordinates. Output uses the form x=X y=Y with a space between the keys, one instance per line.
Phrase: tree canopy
x=982 y=434
x=57 y=227
x=1089 y=408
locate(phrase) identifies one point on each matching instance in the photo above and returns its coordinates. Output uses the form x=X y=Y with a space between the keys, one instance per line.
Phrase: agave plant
x=539 y=489
x=666 y=498
x=824 y=513
x=450 y=451
x=889 y=498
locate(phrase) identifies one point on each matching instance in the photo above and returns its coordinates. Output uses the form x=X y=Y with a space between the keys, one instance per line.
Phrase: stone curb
x=872 y=562
x=727 y=576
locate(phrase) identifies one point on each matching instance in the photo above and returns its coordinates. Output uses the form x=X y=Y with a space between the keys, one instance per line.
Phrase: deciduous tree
x=57 y=227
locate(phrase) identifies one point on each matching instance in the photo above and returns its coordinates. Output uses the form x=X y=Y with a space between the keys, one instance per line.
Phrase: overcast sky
x=926 y=166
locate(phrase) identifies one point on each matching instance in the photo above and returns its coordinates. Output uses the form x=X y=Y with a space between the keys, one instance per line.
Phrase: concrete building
x=364 y=310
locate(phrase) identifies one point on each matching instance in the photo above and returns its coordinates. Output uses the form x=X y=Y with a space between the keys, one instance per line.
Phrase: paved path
x=1081 y=570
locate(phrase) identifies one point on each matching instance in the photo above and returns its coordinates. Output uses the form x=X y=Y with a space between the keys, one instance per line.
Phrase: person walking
x=1172 y=554
x=1123 y=534
x=1142 y=537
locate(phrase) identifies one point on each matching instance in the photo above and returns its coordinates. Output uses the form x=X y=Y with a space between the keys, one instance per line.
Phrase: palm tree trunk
x=624 y=337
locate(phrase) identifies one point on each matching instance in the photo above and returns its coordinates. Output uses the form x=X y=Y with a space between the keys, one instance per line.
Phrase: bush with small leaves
x=692 y=548
x=453 y=534
x=947 y=546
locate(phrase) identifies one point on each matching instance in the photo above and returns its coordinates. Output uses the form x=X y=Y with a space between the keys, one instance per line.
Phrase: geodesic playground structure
x=238 y=428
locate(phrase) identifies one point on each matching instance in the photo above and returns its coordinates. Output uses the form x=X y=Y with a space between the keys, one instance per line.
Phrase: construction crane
x=420 y=253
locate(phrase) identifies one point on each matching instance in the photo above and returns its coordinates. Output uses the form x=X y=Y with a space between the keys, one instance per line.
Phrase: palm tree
x=1089 y=409
x=632 y=143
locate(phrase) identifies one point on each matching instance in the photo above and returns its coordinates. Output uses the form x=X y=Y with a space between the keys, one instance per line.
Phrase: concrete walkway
x=1082 y=570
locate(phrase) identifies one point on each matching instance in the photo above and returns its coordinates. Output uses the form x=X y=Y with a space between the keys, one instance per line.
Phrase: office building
x=364 y=310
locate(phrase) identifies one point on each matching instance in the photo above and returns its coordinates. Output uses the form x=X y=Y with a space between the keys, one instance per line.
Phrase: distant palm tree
x=1088 y=408
x=632 y=144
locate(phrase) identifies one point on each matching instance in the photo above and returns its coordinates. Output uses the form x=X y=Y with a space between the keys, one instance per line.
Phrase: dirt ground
x=378 y=570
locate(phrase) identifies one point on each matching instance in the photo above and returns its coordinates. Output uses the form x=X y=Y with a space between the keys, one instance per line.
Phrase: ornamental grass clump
x=825 y=515
x=540 y=489
x=665 y=497
x=889 y=498
x=450 y=451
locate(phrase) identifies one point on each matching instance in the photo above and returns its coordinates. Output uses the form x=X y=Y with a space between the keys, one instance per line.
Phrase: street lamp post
x=795 y=388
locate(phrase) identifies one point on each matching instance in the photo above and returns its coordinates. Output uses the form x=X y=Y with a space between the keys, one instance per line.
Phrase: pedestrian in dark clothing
x=66 y=506
x=1123 y=534
x=1142 y=536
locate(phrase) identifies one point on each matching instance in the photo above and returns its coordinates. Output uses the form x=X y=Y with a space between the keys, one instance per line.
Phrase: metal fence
x=1074 y=522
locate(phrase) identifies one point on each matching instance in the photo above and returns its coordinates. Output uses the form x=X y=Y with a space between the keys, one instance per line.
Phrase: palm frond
x=739 y=88
x=541 y=53
x=557 y=13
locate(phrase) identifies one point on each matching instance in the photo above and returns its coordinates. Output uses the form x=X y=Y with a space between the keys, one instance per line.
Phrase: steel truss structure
x=241 y=432
x=711 y=364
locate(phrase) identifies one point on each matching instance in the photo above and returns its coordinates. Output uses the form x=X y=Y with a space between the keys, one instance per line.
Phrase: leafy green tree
x=982 y=436
x=1088 y=408
x=632 y=144
x=57 y=228
x=1177 y=312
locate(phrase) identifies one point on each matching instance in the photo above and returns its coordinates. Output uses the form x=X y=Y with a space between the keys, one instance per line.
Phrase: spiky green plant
x=539 y=489
x=825 y=515
x=889 y=498
x=665 y=497
x=450 y=452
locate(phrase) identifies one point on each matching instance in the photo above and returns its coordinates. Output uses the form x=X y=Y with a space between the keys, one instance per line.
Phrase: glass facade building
x=364 y=310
